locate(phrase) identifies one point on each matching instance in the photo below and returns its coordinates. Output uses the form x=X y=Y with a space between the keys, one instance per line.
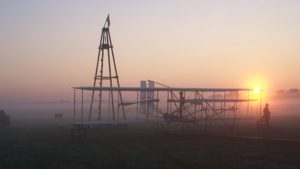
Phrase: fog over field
x=287 y=107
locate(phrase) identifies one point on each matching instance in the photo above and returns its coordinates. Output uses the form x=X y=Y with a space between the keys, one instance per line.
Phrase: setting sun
x=258 y=83
x=256 y=90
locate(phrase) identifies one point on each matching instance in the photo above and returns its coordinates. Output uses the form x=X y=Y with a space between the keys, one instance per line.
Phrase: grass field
x=42 y=145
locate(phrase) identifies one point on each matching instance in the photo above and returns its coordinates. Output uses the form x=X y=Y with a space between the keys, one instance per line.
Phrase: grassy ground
x=42 y=145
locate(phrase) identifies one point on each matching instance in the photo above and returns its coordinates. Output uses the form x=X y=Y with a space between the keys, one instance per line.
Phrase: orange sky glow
x=47 y=47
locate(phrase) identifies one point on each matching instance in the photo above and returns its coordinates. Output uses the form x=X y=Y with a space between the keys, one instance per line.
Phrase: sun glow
x=258 y=85
x=256 y=90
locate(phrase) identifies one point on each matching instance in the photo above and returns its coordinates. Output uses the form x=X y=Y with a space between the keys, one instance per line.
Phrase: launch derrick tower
x=106 y=54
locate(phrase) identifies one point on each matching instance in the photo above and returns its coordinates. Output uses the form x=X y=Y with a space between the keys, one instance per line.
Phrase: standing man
x=267 y=115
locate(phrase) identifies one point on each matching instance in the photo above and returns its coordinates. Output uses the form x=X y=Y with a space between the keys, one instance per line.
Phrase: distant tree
x=281 y=91
x=293 y=91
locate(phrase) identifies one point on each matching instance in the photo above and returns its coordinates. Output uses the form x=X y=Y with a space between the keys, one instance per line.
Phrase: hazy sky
x=49 y=46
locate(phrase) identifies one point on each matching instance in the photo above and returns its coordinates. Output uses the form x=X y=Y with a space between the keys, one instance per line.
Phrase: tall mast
x=105 y=58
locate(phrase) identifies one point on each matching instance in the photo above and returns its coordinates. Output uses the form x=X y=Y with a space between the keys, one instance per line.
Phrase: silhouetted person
x=267 y=115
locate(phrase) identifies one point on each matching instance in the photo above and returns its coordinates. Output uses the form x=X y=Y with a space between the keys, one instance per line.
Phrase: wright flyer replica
x=106 y=102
